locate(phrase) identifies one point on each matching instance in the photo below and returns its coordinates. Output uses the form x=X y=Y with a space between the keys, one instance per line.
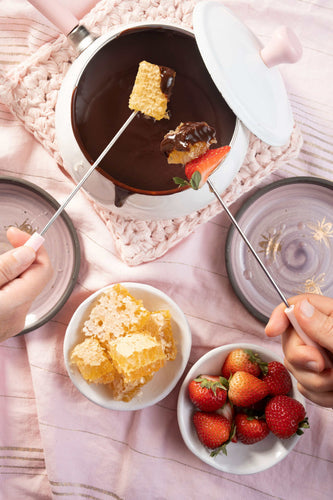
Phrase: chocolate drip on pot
x=121 y=195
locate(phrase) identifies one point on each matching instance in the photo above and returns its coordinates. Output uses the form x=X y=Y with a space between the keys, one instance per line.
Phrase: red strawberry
x=198 y=170
x=285 y=416
x=208 y=392
x=277 y=378
x=242 y=360
x=245 y=389
x=213 y=430
x=250 y=430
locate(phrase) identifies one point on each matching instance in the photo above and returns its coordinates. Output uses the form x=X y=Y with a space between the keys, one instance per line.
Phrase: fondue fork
x=150 y=95
x=289 y=310
x=37 y=239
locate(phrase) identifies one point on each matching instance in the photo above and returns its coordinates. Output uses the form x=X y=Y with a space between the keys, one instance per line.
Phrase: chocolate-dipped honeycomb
x=152 y=90
x=187 y=142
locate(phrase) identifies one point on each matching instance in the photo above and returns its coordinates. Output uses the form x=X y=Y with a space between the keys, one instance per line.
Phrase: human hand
x=23 y=275
x=314 y=314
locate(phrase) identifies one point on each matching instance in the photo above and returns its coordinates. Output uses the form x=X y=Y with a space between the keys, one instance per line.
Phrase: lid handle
x=284 y=47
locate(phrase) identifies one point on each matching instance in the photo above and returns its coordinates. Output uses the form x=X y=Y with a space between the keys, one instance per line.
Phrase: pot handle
x=284 y=47
x=57 y=14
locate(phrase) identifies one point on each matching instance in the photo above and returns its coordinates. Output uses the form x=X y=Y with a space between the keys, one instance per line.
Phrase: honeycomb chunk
x=122 y=391
x=136 y=356
x=115 y=313
x=93 y=362
x=159 y=326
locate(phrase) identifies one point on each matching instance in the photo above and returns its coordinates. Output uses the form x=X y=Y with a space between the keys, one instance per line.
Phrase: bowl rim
x=232 y=235
x=135 y=403
x=52 y=203
x=184 y=424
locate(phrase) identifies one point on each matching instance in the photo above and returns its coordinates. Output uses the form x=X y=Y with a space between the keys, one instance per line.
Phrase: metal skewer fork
x=289 y=311
x=37 y=239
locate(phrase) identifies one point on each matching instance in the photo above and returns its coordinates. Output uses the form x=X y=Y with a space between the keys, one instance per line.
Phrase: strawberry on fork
x=198 y=170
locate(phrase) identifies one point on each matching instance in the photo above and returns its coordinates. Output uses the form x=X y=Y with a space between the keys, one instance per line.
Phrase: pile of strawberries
x=247 y=401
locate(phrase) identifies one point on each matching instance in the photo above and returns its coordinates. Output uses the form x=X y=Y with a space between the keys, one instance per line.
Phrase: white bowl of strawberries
x=239 y=409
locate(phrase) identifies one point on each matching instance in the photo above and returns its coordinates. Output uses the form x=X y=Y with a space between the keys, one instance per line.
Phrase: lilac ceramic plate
x=28 y=207
x=290 y=225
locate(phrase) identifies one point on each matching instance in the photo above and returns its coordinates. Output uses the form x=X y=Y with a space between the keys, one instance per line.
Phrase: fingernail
x=24 y=255
x=312 y=366
x=306 y=308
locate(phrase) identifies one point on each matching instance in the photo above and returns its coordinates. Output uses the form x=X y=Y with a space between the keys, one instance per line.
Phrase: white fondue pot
x=241 y=69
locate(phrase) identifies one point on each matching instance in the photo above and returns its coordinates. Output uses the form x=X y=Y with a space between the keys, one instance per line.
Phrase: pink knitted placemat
x=30 y=91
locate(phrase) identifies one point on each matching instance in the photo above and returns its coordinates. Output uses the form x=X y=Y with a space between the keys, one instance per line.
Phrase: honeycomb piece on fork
x=152 y=90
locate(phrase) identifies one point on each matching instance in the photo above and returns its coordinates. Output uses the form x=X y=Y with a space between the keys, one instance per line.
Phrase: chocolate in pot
x=100 y=107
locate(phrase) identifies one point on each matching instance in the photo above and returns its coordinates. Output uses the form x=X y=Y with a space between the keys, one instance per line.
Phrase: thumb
x=14 y=262
x=316 y=324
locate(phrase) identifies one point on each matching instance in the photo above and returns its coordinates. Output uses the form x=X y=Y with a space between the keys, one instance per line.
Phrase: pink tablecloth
x=54 y=442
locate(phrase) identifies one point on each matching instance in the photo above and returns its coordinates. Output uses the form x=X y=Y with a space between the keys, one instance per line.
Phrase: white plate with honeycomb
x=99 y=367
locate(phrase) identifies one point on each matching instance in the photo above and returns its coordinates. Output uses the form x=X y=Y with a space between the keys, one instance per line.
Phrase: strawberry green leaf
x=255 y=358
x=195 y=180
x=304 y=424
x=222 y=448
x=222 y=383
x=181 y=182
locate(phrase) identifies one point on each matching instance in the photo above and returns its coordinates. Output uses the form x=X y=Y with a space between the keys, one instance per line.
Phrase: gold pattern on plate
x=313 y=285
x=270 y=245
x=321 y=231
x=25 y=226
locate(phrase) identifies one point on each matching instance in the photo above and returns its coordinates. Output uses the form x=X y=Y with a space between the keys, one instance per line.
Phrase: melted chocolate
x=100 y=107
x=167 y=81
x=186 y=135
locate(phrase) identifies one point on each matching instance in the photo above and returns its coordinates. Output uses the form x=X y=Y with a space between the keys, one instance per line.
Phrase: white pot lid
x=232 y=54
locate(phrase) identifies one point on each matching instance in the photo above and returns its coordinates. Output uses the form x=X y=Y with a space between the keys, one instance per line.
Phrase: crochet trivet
x=30 y=91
